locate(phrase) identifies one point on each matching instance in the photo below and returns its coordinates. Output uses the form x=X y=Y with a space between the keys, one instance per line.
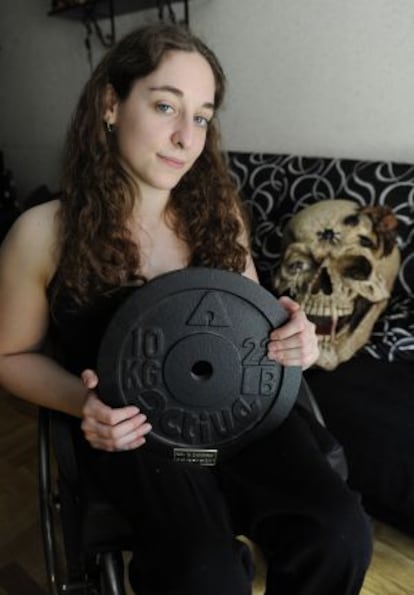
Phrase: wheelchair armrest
x=55 y=431
x=332 y=449
x=308 y=401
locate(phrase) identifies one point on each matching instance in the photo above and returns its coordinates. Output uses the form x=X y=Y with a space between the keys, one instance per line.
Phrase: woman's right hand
x=107 y=428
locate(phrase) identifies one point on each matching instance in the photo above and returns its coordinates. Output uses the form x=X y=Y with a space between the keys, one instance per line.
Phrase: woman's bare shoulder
x=33 y=238
x=38 y=223
x=41 y=217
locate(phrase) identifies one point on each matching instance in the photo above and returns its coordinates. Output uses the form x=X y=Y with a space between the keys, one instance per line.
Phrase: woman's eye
x=165 y=108
x=201 y=121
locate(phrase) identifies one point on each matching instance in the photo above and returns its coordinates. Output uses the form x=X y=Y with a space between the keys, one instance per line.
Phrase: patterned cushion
x=274 y=187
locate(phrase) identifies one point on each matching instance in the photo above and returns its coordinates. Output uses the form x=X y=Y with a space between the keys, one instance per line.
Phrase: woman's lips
x=172 y=162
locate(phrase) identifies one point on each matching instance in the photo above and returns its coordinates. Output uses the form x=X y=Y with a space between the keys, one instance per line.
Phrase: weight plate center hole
x=201 y=371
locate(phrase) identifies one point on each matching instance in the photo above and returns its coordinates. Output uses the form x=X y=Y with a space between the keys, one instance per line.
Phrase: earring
x=110 y=127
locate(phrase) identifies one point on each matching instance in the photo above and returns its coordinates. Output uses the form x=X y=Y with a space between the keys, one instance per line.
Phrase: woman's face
x=161 y=127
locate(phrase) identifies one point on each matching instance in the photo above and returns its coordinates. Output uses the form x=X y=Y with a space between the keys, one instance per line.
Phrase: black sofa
x=368 y=401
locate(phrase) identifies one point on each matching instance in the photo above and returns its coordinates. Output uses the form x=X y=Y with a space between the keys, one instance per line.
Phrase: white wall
x=315 y=77
x=323 y=77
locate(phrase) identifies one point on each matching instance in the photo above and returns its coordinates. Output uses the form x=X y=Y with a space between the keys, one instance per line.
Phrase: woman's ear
x=111 y=103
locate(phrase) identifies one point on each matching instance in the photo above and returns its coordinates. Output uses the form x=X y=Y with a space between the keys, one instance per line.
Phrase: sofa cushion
x=274 y=187
x=369 y=406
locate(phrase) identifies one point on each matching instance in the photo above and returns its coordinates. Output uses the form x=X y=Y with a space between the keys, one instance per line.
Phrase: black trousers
x=281 y=492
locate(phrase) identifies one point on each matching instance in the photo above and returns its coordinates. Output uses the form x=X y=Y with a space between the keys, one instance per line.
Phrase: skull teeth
x=328 y=310
x=329 y=325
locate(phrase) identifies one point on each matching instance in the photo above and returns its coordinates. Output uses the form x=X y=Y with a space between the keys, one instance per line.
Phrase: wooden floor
x=21 y=559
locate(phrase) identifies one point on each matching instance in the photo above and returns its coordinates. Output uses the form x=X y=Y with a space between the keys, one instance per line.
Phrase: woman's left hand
x=295 y=343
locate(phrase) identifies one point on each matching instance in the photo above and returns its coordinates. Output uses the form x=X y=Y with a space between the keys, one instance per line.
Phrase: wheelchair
x=85 y=539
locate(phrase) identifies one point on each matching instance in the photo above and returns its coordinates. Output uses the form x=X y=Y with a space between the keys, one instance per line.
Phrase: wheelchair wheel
x=111 y=574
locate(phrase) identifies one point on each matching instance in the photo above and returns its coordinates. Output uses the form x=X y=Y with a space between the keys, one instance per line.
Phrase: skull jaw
x=333 y=351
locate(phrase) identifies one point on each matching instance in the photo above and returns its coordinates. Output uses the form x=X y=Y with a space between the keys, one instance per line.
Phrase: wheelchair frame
x=85 y=568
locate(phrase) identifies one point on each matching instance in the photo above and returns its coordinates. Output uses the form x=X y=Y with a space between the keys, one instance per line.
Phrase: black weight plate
x=189 y=349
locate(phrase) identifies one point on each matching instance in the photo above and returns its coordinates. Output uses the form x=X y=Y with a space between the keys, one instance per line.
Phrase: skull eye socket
x=351 y=220
x=366 y=242
x=298 y=266
x=357 y=268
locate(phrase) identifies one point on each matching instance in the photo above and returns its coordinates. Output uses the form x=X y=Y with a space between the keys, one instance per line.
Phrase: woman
x=146 y=191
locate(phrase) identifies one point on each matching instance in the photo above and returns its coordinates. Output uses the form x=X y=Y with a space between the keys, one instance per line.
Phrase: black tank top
x=76 y=331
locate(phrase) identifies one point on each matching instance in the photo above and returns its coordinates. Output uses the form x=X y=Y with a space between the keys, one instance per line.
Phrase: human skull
x=339 y=261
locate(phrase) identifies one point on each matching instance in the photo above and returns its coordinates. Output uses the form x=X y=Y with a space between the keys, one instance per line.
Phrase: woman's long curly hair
x=97 y=252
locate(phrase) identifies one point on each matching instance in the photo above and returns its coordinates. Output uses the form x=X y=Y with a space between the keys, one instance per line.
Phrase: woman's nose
x=183 y=133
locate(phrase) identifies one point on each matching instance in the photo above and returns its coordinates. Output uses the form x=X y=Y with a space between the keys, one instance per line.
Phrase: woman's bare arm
x=27 y=262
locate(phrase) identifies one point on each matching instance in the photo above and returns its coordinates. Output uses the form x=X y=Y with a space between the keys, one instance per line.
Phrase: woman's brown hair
x=98 y=195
